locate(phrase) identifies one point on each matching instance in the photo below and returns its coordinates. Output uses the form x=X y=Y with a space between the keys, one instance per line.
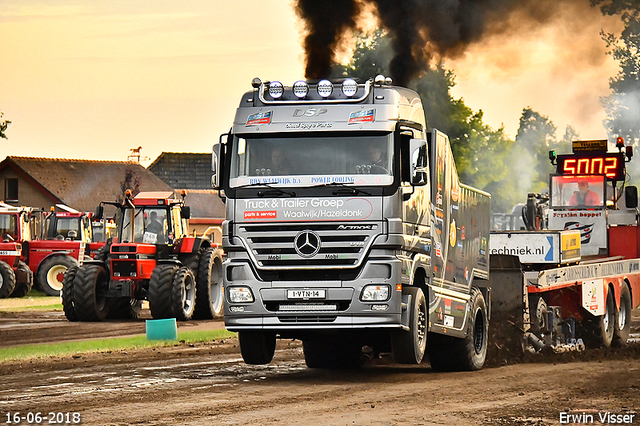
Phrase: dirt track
x=209 y=384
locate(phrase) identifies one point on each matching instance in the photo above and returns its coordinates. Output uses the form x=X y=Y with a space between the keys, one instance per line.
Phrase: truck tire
x=623 y=316
x=68 y=306
x=7 y=280
x=256 y=346
x=183 y=294
x=209 y=290
x=598 y=331
x=160 y=291
x=448 y=353
x=125 y=308
x=89 y=304
x=336 y=353
x=51 y=273
x=24 y=280
x=408 y=347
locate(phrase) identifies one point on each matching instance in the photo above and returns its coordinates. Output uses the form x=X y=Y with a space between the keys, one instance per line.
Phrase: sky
x=93 y=80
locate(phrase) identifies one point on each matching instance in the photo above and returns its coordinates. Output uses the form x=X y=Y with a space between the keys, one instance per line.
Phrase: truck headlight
x=375 y=293
x=240 y=295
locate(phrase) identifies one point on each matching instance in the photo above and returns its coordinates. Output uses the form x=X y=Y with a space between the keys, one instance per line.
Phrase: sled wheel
x=623 y=316
x=598 y=331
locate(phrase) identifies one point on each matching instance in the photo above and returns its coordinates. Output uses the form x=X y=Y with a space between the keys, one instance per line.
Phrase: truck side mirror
x=418 y=155
x=216 y=157
x=185 y=212
x=99 y=212
x=631 y=197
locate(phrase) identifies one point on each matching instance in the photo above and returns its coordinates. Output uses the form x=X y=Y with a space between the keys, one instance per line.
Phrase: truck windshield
x=306 y=160
x=575 y=192
x=149 y=225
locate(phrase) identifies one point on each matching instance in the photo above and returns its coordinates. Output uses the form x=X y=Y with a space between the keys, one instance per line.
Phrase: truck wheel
x=332 y=354
x=408 y=347
x=448 y=353
x=7 y=280
x=598 y=331
x=67 y=294
x=51 y=273
x=89 y=303
x=209 y=291
x=125 y=308
x=160 y=291
x=257 y=347
x=183 y=294
x=623 y=316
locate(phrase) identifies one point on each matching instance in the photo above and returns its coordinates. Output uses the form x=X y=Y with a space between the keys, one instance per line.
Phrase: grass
x=104 y=345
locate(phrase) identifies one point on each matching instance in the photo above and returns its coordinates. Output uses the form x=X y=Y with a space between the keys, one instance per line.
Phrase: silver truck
x=347 y=228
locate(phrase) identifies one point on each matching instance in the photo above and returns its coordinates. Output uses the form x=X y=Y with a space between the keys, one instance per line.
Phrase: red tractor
x=46 y=261
x=151 y=258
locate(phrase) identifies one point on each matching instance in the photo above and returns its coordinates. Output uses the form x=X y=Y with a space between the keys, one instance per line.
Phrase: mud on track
x=209 y=384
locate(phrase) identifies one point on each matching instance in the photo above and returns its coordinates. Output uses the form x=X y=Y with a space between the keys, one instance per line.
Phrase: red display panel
x=611 y=165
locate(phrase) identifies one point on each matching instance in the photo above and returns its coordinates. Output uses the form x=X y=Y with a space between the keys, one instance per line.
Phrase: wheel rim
x=622 y=315
x=478 y=333
x=422 y=326
x=217 y=290
x=188 y=294
x=55 y=276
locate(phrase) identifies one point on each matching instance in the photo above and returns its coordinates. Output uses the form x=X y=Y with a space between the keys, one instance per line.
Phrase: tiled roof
x=183 y=169
x=83 y=184
x=204 y=203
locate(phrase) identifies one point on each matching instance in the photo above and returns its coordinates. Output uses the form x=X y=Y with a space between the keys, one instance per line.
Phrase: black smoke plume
x=420 y=30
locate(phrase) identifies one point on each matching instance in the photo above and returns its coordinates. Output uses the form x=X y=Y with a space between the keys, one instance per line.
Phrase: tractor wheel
x=51 y=273
x=332 y=353
x=256 y=346
x=7 y=280
x=623 y=316
x=408 y=347
x=448 y=353
x=89 y=304
x=183 y=294
x=125 y=308
x=160 y=293
x=209 y=291
x=68 y=305
x=598 y=331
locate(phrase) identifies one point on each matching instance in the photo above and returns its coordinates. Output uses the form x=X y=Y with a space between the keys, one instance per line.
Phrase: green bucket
x=162 y=329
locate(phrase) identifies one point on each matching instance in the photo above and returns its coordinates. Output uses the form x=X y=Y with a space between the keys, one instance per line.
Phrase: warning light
x=620 y=142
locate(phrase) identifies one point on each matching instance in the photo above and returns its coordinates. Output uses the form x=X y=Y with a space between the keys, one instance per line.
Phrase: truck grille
x=308 y=246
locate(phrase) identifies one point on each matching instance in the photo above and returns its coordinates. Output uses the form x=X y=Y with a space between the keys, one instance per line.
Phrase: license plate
x=305 y=294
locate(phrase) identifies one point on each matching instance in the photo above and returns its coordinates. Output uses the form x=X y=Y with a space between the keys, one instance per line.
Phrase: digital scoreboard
x=610 y=164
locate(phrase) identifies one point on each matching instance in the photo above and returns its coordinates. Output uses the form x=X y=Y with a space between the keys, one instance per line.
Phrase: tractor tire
x=448 y=353
x=209 y=290
x=623 y=317
x=89 y=304
x=408 y=347
x=183 y=294
x=68 y=306
x=125 y=308
x=51 y=273
x=160 y=286
x=257 y=347
x=598 y=331
x=24 y=280
x=336 y=353
x=7 y=280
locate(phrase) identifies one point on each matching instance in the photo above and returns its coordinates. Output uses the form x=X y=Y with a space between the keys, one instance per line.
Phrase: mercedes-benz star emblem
x=307 y=243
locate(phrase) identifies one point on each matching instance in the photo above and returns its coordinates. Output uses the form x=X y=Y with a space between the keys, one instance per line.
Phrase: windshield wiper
x=352 y=189
x=275 y=191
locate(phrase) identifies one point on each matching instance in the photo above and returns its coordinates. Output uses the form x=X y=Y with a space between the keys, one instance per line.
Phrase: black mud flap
x=509 y=310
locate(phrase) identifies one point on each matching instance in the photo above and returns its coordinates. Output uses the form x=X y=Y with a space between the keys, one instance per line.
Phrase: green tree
x=3 y=126
x=623 y=104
